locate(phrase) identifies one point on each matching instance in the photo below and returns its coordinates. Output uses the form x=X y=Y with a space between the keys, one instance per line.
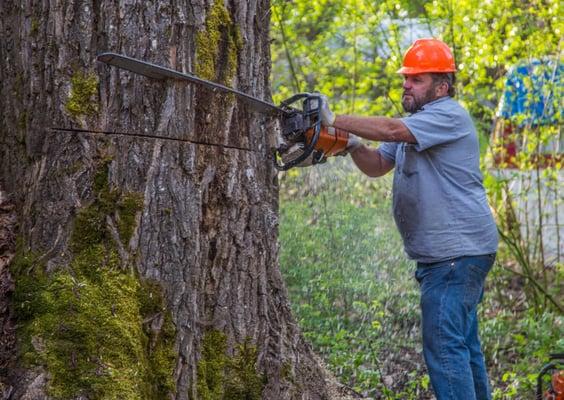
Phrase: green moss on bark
x=89 y=324
x=218 y=46
x=225 y=377
x=163 y=359
x=34 y=26
x=127 y=208
x=22 y=121
x=212 y=365
x=82 y=99
x=90 y=222
x=243 y=382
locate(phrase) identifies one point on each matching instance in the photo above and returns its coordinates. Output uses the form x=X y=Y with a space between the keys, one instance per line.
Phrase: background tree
x=143 y=268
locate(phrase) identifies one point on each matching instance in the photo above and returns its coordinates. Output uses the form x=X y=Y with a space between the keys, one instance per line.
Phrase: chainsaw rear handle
x=332 y=141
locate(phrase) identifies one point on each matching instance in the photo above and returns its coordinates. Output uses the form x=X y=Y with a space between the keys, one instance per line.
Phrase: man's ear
x=441 y=89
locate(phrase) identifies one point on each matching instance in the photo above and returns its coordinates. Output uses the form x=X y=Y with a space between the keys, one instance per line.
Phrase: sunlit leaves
x=341 y=49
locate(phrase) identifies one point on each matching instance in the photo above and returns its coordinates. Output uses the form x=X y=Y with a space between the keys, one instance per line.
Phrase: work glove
x=327 y=116
x=353 y=144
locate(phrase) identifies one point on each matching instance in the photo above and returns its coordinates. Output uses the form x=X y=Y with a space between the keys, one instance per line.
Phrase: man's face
x=418 y=90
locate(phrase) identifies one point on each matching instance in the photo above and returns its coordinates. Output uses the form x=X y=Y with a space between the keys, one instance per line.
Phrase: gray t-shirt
x=439 y=202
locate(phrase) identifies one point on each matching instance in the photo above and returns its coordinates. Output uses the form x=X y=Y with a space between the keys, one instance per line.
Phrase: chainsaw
x=304 y=141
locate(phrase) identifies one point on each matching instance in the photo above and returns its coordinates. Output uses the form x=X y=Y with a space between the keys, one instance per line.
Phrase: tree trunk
x=143 y=268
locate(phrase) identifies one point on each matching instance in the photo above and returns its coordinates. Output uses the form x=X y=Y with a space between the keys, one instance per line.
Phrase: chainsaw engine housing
x=306 y=142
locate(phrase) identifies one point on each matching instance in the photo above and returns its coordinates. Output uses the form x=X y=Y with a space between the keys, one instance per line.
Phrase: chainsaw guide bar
x=162 y=73
x=305 y=141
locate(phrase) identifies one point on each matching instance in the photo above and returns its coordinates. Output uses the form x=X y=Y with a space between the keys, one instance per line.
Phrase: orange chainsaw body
x=332 y=141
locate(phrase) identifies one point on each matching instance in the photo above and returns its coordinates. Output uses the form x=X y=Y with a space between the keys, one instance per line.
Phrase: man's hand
x=327 y=116
x=353 y=144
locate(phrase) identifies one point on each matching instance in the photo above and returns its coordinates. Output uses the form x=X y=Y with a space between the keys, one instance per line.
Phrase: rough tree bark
x=142 y=268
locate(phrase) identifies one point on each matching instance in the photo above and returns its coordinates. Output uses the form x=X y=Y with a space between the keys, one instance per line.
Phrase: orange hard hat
x=427 y=55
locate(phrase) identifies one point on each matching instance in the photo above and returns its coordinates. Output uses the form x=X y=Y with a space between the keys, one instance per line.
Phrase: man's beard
x=413 y=104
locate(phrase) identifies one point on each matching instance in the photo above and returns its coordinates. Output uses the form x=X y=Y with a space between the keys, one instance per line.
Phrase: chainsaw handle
x=308 y=112
x=296 y=97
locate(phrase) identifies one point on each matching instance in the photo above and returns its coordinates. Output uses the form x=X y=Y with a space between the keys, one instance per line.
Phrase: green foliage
x=517 y=345
x=350 y=50
x=349 y=282
x=524 y=235
x=489 y=39
x=356 y=301
x=340 y=49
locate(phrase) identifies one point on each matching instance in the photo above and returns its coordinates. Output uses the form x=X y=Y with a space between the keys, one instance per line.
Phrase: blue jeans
x=450 y=293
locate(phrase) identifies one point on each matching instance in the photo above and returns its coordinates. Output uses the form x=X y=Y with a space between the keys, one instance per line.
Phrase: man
x=440 y=209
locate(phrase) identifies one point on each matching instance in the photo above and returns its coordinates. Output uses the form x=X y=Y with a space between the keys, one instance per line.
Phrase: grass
x=354 y=295
x=350 y=284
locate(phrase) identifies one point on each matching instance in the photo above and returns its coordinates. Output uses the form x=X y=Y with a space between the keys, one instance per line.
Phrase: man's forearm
x=381 y=129
x=371 y=162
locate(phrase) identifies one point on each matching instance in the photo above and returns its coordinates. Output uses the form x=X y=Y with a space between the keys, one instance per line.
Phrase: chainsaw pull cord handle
x=308 y=111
